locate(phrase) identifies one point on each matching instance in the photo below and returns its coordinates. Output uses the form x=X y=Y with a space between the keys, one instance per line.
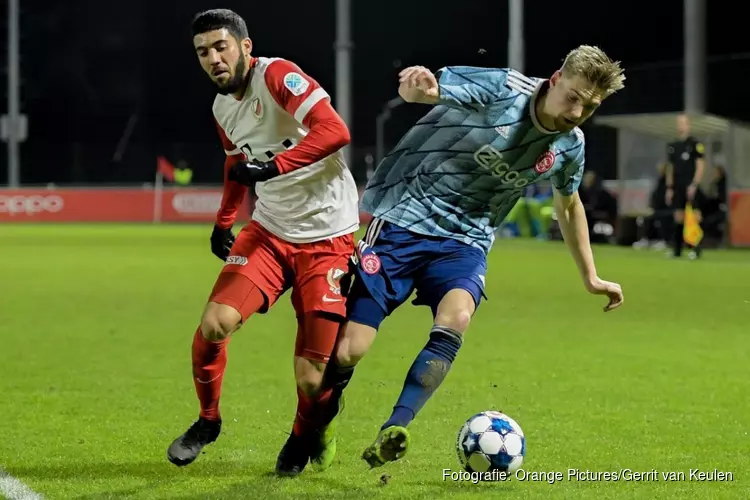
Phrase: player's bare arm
x=418 y=84
x=571 y=216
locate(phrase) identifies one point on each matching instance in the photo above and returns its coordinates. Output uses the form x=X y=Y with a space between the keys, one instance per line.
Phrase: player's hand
x=248 y=172
x=221 y=242
x=613 y=291
x=691 y=190
x=418 y=84
x=669 y=196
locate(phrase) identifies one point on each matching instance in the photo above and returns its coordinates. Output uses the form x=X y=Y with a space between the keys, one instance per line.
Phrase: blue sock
x=425 y=375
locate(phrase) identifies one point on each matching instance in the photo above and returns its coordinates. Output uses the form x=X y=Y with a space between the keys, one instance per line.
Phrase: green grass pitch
x=95 y=336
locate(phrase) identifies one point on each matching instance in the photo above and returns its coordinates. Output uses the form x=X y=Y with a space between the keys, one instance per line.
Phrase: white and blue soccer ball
x=491 y=441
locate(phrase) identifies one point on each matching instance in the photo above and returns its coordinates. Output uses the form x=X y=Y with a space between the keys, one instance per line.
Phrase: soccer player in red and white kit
x=281 y=136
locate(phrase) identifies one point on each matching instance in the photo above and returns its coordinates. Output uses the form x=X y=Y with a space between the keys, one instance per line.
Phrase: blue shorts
x=392 y=262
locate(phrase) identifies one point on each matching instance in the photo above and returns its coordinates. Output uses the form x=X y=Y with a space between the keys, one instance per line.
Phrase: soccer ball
x=491 y=441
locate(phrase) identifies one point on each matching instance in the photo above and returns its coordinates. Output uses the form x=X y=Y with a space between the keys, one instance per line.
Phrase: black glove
x=248 y=173
x=221 y=242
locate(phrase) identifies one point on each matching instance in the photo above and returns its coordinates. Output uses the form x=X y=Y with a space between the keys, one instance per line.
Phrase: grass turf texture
x=96 y=329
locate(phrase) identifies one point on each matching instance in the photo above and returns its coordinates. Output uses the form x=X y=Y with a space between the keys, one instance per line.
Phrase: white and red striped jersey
x=285 y=115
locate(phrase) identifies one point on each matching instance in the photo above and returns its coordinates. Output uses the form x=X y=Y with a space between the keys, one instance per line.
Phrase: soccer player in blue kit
x=438 y=197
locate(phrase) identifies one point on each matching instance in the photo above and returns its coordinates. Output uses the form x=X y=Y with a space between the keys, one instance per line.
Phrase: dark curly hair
x=216 y=19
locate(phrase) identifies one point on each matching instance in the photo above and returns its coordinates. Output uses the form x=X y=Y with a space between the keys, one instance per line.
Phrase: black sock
x=336 y=378
x=679 y=228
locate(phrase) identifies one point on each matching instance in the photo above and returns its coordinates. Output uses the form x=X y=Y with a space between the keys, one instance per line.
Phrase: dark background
x=90 y=66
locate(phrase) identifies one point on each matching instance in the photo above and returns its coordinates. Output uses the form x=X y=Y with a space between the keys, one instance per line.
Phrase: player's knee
x=309 y=375
x=455 y=310
x=219 y=322
x=348 y=357
x=354 y=342
x=457 y=319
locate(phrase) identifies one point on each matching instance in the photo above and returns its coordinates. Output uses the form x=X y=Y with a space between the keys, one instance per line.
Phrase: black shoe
x=294 y=456
x=185 y=449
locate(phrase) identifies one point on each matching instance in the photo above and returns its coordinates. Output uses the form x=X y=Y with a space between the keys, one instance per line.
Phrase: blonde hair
x=595 y=66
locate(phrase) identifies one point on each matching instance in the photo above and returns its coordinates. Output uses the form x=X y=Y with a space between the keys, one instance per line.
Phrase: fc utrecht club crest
x=334 y=280
x=544 y=162
x=256 y=107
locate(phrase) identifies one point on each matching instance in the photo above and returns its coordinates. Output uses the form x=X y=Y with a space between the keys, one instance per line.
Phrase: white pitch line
x=13 y=489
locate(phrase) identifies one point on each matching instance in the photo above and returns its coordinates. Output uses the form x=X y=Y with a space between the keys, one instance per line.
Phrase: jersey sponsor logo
x=545 y=162
x=236 y=260
x=491 y=159
x=326 y=298
x=296 y=84
x=256 y=108
x=29 y=205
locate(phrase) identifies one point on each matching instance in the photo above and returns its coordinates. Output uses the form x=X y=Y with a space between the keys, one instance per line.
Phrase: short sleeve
x=568 y=179
x=471 y=87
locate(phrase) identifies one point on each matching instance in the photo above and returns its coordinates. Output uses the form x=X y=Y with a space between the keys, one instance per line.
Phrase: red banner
x=112 y=205
x=739 y=218
x=116 y=205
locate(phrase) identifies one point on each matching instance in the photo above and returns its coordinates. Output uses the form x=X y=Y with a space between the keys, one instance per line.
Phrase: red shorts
x=312 y=270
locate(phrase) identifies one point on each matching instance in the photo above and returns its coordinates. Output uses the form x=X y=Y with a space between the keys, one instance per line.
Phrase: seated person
x=712 y=202
x=657 y=227
x=600 y=206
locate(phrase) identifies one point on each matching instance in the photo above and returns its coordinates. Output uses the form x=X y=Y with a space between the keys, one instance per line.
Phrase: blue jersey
x=460 y=170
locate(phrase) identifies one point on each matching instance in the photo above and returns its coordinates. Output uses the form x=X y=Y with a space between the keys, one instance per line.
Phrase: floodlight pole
x=515 y=35
x=343 y=50
x=695 y=56
x=13 y=119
